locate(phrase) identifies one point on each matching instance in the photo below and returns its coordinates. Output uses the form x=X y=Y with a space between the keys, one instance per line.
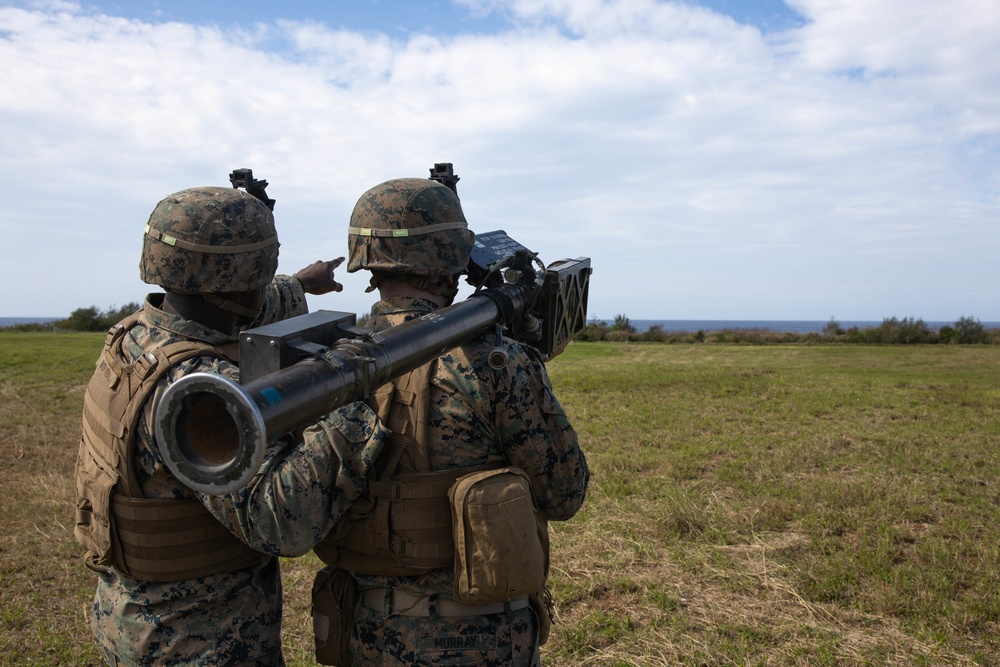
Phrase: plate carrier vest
x=402 y=524
x=149 y=539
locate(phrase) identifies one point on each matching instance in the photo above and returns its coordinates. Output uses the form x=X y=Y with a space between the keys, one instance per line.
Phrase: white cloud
x=847 y=166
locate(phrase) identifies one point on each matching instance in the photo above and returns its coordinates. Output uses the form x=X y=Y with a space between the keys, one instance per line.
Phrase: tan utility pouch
x=501 y=540
x=334 y=597
x=541 y=603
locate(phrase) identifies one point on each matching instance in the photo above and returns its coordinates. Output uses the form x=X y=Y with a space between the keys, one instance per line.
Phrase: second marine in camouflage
x=450 y=418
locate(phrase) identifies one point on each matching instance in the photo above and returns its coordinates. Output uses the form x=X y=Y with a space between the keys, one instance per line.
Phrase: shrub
x=654 y=334
x=622 y=323
x=969 y=330
x=833 y=328
x=894 y=331
x=594 y=331
x=92 y=319
x=754 y=336
x=82 y=319
x=618 y=336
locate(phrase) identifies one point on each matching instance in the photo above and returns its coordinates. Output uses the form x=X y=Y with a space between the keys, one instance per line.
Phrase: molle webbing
x=402 y=525
x=166 y=539
x=422 y=530
x=152 y=539
x=408 y=530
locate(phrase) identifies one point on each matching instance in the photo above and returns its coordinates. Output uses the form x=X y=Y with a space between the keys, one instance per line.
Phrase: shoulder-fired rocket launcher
x=212 y=432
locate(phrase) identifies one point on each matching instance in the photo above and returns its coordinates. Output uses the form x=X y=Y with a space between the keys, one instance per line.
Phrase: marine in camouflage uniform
x=227 y=617
x=413 y=236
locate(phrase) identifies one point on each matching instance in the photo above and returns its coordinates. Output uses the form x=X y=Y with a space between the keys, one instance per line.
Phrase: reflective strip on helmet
x=399 y=233
x=217 y=249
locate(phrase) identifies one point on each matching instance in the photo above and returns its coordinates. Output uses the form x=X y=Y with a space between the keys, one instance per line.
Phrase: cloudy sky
x=717 y=159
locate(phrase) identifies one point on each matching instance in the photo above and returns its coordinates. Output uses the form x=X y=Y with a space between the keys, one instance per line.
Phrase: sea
x=14 y=321
x=781 y=326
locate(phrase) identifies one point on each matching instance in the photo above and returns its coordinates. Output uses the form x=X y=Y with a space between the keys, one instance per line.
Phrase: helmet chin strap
x=376 y=280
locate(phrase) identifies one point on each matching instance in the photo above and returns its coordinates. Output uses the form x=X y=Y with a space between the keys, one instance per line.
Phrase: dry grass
x=44 y=588
x=782 y=506
x=749 y=506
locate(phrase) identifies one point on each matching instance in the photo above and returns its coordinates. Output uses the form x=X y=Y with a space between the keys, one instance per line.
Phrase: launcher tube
x=213 y=433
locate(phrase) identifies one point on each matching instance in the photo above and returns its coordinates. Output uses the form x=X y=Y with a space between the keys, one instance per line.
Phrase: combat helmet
x=209 y=240
x=412 y=226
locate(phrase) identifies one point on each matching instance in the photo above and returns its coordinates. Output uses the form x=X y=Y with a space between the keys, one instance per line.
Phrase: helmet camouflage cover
x=409 y=225
x=209 y=240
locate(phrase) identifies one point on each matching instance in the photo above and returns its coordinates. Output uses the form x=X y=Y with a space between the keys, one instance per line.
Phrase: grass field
x=749 y=505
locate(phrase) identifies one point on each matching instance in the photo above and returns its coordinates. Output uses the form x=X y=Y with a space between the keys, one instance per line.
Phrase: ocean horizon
x=781 y=326
x=14 y=321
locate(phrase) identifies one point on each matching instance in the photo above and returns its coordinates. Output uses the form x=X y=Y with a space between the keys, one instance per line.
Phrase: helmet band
x=415 y=231
x=214 y=249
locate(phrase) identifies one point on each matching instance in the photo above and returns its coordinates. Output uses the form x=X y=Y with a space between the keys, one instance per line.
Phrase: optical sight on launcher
x=212 y=432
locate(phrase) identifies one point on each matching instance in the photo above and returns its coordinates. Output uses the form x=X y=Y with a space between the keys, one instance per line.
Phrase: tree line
x=966 y=330
x=84 y=319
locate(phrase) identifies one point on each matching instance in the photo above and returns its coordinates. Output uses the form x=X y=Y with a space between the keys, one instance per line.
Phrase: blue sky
x=715 y=159
x=389 y=16
x=396 y=16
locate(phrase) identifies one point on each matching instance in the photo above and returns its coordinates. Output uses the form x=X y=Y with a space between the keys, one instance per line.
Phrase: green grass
x=809 y=504
x=749 y=505
x=44 y=588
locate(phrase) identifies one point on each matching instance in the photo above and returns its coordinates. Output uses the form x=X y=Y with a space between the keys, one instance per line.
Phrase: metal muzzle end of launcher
x=210 y=433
